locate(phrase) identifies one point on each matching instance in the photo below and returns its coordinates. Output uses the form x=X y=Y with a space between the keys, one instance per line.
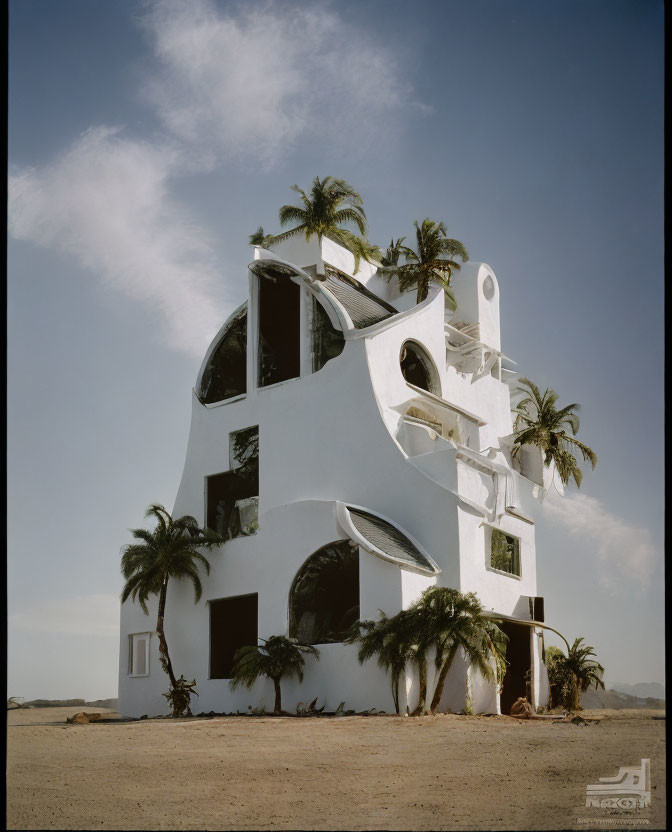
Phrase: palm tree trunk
x=422 y=695
x=438 y=691
x=395 y=691
x=163 y=644
x=277 y=708
x=423 y=290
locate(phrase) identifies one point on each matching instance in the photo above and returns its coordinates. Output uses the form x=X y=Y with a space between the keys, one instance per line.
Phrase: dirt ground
x=376 y=772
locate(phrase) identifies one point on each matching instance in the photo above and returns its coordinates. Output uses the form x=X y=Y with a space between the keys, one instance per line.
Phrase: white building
x=384 y=467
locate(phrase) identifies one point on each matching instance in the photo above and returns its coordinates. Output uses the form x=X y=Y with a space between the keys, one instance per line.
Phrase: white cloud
x=96 y=615
x=243 y=83
x=625 y=553
x=106 y=202
x=250 y=82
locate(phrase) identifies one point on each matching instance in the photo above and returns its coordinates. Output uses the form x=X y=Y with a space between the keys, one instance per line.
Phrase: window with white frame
x=505 y=553
x=138 y=654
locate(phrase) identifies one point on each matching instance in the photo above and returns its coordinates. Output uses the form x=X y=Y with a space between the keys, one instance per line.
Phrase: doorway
x=518 y=661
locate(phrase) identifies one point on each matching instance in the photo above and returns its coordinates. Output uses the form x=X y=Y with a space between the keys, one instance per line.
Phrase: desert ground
x=351 y=772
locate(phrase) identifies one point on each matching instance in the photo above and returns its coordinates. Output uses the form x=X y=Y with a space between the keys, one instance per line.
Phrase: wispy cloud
x=106 y=202
x=249 y=81
x=229 y=84
x=96 y=615
x=625 y=554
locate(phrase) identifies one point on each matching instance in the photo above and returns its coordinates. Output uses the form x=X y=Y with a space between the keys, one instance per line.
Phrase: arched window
x=324 y=599
x=225 y=374
x=418 y=368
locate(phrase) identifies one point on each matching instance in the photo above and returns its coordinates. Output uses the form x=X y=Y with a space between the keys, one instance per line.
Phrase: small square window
x=138 y=655
x=505 y=553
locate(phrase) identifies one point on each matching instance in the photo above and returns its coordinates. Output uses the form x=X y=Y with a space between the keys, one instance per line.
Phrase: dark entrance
x=233 y=624
x=518 y=664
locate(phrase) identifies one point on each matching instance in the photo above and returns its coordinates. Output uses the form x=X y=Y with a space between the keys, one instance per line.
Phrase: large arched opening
x=324 y=598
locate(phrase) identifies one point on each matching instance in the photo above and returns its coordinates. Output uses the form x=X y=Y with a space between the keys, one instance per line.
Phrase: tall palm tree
x=432 y=262
x=276 y=657
x=170 y=551
x=574 y=673
x=332 y=203
x=538 y=422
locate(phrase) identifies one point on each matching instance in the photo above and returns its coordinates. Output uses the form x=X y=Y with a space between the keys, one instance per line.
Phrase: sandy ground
x=377 y=772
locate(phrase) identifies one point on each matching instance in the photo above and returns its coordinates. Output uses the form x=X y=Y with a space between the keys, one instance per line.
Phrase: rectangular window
x=279 y=325
x=138 y=654
x=233 y=624
x=232 y=498
x=505 y=553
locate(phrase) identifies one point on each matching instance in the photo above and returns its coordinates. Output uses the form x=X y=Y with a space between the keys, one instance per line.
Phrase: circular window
x=489 y=288
x=418 y=368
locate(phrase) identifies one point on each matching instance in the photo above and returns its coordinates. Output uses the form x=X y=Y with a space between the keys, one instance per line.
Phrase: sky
x=147 y=140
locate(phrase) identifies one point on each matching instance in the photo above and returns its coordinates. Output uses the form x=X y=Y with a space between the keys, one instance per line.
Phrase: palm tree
x=433 y=262
x=260 y=239
x=170 y=551
x=275 y=658
x=361 y=249
x=443 y=619
x=538 y=422
x=332 y=204
x=456 y=621
x=390 y=640
x=393 y=252
x=574 y=673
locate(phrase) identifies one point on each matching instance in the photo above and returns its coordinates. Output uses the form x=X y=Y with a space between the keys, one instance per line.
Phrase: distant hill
x=642 y=690
x=74 y=703
x=616 y=700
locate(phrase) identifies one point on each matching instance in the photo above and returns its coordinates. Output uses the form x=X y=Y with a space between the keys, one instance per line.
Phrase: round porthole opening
x=489 y=288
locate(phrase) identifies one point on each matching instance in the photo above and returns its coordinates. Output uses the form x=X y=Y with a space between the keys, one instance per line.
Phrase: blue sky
x=148 y=140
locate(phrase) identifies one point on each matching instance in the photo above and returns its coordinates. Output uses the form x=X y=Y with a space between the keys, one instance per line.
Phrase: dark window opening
x=418 y=368
x=505 y=553
x=233 y=624
x=328 y=342
x=518 y=665
x=279 y=336
x=324 y=599
x=233 y=497
x=226 y=372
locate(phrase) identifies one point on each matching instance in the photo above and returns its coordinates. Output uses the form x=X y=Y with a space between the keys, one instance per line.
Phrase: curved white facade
x=435 y=466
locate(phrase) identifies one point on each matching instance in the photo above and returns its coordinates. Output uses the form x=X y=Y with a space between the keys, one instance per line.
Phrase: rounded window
x=418 y=368
x=324 y=599
x=489 y=288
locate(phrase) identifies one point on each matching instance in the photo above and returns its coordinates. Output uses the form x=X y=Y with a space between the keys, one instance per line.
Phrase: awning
x=382 y=538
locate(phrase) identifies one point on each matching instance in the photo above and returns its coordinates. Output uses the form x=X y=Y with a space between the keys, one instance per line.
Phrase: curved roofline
x=343 y=515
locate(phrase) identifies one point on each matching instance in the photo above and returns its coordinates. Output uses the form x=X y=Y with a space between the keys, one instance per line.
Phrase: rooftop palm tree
x=332 y=203
x=361 y=249
x=260 y=239
x=276 y=657
x=538 y=422
x=170 y=551
x=393 y=252
x=433 y=262
x=574 y=673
